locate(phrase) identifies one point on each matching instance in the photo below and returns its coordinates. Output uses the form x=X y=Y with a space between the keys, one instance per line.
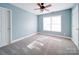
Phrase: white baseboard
x=13 y=41
x=75 y=44
x=55 y=35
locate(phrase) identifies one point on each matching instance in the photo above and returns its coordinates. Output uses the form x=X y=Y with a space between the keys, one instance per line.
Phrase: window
x=52 y=23
x=46 y=24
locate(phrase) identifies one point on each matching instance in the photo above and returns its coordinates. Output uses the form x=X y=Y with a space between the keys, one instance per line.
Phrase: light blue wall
x=23 y=22
x=65 y=22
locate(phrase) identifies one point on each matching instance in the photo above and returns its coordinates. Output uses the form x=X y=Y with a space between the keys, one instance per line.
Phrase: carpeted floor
x=41 y=45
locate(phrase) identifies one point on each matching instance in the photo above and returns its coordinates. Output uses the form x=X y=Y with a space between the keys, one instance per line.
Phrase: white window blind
x=52 y=23
x=46 y=24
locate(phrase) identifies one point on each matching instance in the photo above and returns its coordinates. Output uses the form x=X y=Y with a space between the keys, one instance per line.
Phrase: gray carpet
x=41 y=45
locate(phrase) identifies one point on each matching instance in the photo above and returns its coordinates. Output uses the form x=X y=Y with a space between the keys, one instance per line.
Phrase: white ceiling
x=55 y=7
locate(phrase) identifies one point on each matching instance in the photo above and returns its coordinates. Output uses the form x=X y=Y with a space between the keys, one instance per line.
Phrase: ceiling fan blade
x=39 y=4
x=48 y=6
x=37 y=9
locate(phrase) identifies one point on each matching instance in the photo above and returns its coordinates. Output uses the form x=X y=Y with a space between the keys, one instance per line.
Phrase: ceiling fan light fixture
x=42 y=7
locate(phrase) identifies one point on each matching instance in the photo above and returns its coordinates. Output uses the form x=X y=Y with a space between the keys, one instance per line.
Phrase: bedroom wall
x=65 y=23
x=23 y=22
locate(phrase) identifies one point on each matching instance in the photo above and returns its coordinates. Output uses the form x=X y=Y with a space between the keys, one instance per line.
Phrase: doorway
x=5 y=27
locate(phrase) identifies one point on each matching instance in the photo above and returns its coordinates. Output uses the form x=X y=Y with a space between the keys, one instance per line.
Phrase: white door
x=0 y=27
x=75 y=25
x=5 y=27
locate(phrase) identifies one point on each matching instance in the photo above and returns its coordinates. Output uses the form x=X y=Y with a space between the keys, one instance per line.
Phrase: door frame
x=10 y=26
x=10 y=19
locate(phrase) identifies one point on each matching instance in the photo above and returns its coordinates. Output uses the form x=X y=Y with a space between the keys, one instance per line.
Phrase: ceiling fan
x=42 y=7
